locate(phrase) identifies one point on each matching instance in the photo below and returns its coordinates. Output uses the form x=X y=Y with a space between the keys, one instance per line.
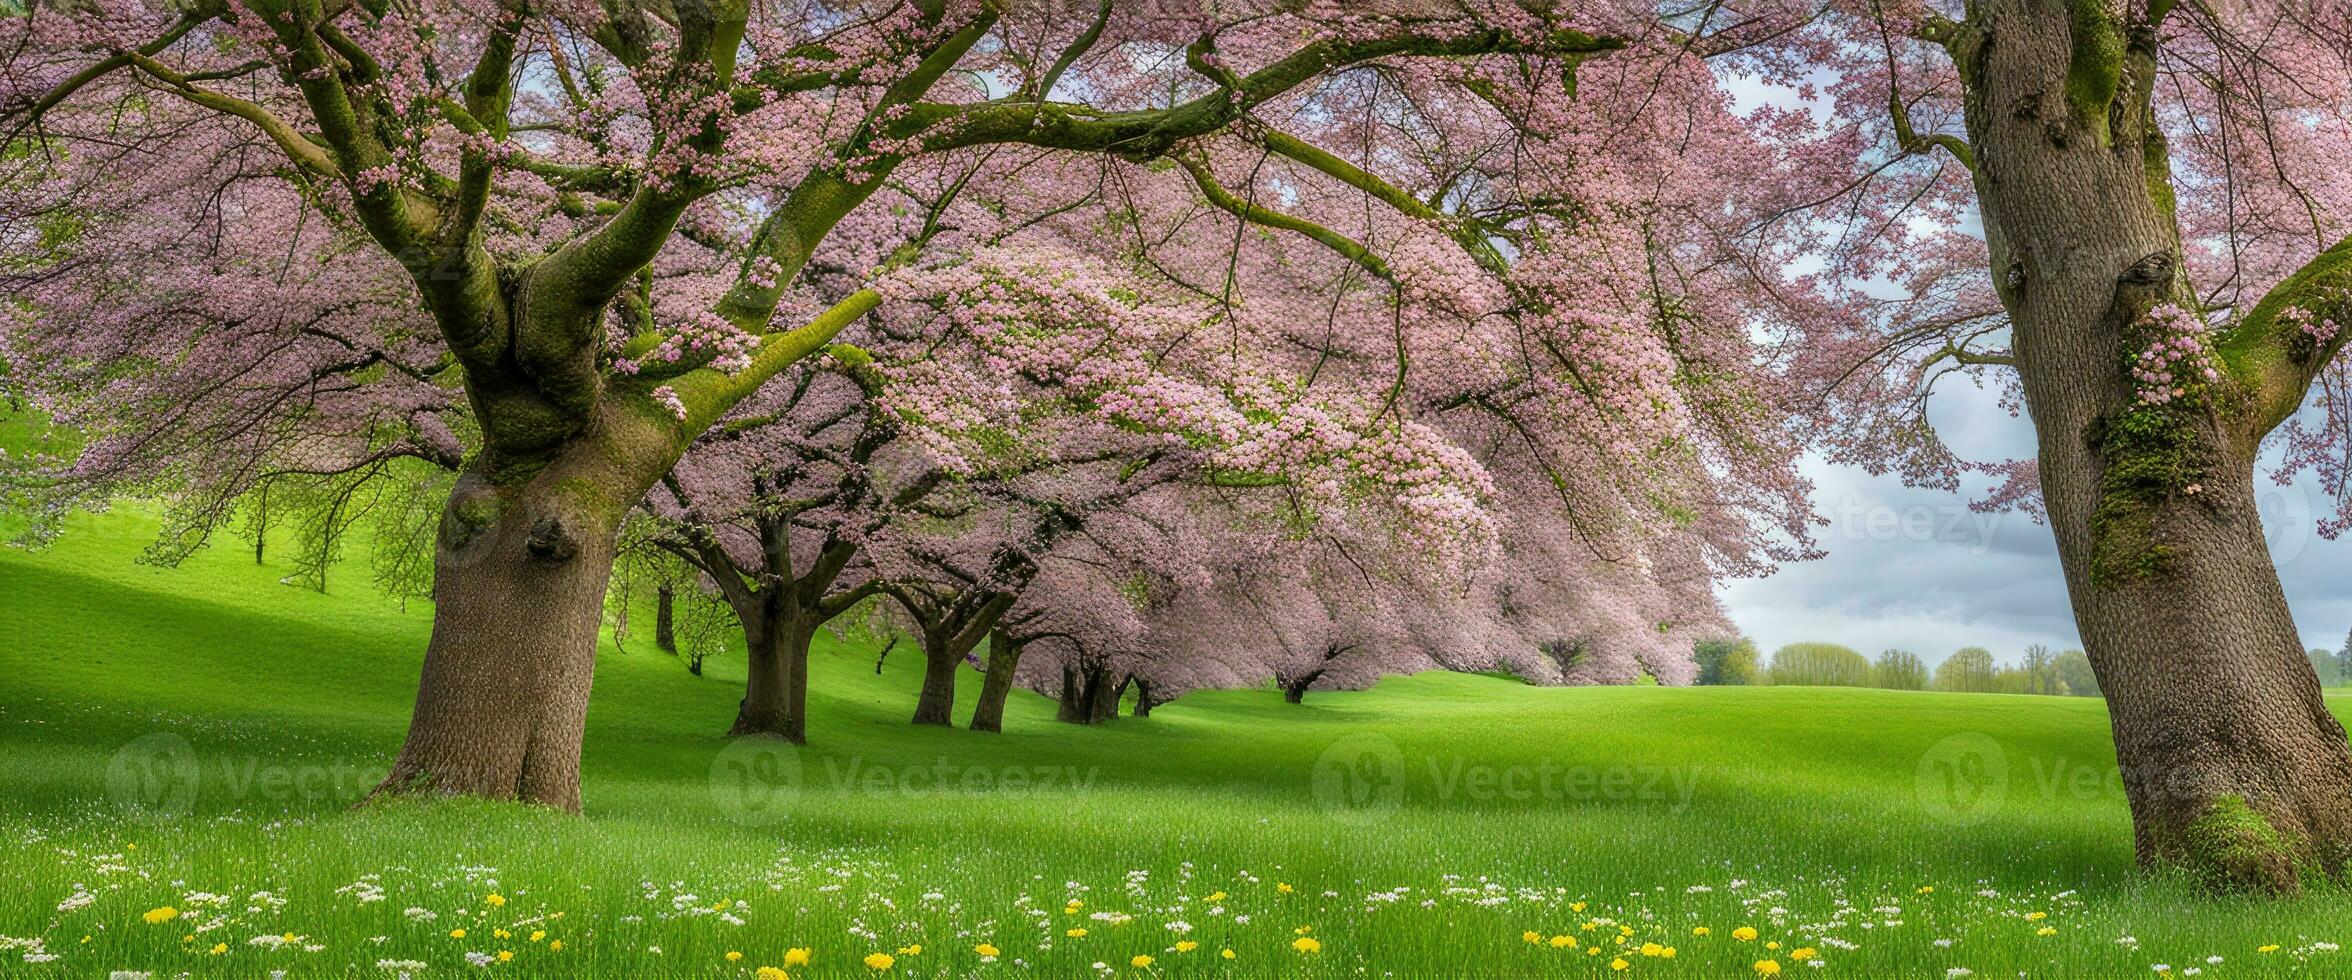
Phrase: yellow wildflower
x=2272 y=948
x=770 y=973
x=500 y=933
x=1282 y=886
x=457 y=934
x=1803 y=953
x=1667 y=953
x=734 y=956
x=538 y=934
x=163 y=914
x=1559 y=941
x=1217 y=896
x=796 y=956
x=219 y=948
x=1306 y=944
x=1532 y=936
x=1186 y=945
x=1744 y=933
x=1618 y=963
x=879 y=961
x=1079 y=933
x=1652 y=949
x=985 y=949
x=1228 y=954
x=1770 y=968
x=1140 y=961
x=2046 y=931
x=2036 y=916
x=505 y=955
x=494 y=900
x=1698 y=930
x=1576 y=906
x=555 y=945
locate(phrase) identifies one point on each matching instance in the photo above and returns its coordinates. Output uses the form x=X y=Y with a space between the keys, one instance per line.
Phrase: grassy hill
x=195 y=738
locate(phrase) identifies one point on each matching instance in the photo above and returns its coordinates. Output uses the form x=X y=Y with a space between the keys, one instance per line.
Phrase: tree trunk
x=1073 y=703
x=775 y=687
x=937 y=702
x=1102 y=696
x=2233 y=766
x=665 y=624
x=1143 y=698
x=519 y=580
x=1294 y=689
x=1004 y=660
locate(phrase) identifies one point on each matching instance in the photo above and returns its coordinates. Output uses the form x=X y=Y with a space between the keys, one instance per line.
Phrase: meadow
x=181 y=751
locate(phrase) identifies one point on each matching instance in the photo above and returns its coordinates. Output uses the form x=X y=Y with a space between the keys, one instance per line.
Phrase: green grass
x=1815 y=816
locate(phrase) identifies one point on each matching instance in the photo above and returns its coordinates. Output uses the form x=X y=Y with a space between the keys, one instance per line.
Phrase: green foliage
x=1899 y=670
x=2074 y=667
x=2037 y=675
x=1969 y=671
x=1727 y=662
x=1819 y=665
x=2325 y=667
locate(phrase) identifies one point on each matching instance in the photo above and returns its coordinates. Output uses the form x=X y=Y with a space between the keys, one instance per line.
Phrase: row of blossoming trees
x=1204 y=342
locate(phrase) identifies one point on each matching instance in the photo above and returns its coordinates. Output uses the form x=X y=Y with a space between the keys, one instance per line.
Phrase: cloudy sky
x=1917 y=569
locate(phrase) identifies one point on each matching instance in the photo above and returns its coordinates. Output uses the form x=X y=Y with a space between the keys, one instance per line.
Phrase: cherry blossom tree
x=2164 y=211
x=552 y=246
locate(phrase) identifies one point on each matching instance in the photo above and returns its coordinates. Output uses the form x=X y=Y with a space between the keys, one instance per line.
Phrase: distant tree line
x=1972 y=670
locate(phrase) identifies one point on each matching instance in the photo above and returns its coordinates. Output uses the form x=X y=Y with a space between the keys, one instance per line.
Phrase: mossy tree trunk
x=2234 y=768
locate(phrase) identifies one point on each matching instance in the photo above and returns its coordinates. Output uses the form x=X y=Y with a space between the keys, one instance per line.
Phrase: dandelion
x=1140 y=961
x=1079 y=933
x=2272 y=948
x=880 y=961
x=1652 y=949
x=505 y=956
x=1927 y=889
x=1803 y=953
x=1532 y=937
x=555 y=945
x=734 y=956
x=911 y=949
x=457 y=934
x=1559 y=941
x=219 y=948
x=796 y=956
x=1698 y=930
x=538 y=934
x=155 y=916
x=986 y=949
x=1576 y=906
x=2046 y=931
x=1618 y=963
x=1770 y=968
x=1228 y=954
x=1744 y=933
x=501 y=934
x=1306 y=944
x=769 y=973
x=1283 y=887
x=2036 y=916
x=1186 y=946
x=494 y=900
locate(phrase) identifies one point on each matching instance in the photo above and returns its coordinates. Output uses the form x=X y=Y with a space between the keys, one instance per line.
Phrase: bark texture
x=1004 y=660
x=503 y=698
x=2234 y=767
